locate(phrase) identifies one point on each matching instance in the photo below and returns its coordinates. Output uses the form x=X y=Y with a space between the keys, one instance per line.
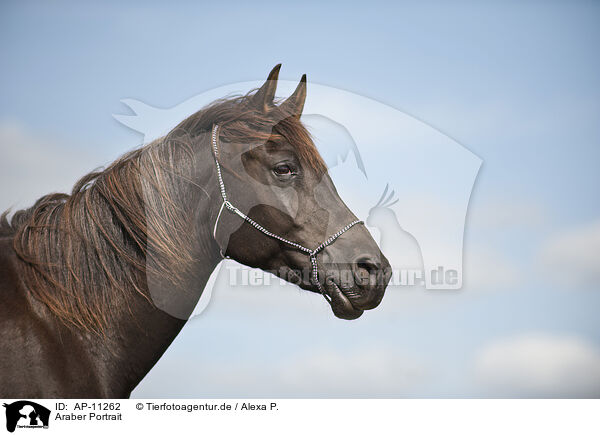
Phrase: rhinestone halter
x=312 y=253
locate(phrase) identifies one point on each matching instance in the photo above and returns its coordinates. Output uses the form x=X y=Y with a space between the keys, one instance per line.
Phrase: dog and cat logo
x=25 y=414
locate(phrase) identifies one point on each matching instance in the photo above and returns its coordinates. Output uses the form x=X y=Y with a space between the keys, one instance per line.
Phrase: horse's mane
x=86 y=253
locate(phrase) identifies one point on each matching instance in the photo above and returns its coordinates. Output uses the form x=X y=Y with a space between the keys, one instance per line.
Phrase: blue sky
x=517 y=84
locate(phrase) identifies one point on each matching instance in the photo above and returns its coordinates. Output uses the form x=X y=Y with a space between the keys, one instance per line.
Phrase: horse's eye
x=282 y=169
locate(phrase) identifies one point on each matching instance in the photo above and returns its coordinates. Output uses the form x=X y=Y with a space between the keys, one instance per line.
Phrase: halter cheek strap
x=312 y=253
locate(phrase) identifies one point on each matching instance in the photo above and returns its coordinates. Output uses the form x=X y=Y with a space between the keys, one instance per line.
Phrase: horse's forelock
x=241 y=121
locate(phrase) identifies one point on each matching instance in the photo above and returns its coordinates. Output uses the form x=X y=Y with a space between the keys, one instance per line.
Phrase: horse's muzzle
x=358 y=286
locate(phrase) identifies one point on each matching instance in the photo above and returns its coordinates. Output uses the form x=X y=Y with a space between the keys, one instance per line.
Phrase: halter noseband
x=312 y=253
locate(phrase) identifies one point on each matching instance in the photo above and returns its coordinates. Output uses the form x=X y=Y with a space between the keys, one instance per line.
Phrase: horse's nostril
x=365 y=271
x=368 y=285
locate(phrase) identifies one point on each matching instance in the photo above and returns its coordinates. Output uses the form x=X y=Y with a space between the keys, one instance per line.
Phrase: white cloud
x=486 y=268
x=508 y=213
x=573 y=256
x=33 y=165
x=368 y=371
x=372 y=371
x=539 y=365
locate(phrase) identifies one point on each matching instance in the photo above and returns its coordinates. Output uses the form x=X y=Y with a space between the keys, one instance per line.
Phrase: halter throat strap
x=226 y=204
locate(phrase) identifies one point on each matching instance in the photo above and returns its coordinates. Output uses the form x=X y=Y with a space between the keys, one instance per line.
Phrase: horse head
x=276 y=180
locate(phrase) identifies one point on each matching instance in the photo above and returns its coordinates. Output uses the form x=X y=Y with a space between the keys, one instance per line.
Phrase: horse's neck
x=143 y=331
x=140 y=336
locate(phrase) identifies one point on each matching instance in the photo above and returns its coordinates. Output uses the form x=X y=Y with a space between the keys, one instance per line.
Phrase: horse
x=96 y=284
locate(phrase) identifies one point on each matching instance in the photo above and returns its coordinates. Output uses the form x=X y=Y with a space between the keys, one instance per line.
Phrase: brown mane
x=85 y=253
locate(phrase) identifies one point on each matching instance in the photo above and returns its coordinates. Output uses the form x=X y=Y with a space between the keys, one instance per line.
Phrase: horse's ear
x=295 y=103
x=263 y=99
